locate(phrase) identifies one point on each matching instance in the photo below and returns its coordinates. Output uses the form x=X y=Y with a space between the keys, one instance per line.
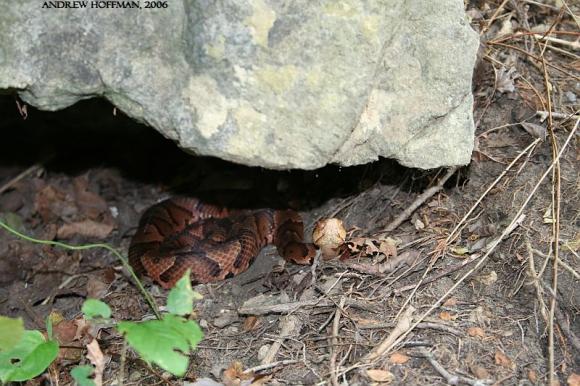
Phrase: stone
x=260 y=82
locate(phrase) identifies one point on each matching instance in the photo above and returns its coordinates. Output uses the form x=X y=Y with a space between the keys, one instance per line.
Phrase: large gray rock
x=280 y=84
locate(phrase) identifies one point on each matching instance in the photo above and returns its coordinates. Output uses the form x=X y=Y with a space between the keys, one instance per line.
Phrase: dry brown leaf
x=573 y=380
x=86 y=228
x=90 y=204
x=536 y=131
x=329 y=235
x=479 y=372
x=533 y=376
x=445 y=315
x=251 y=323
x=96 y=288
x=398 y=358
x=505 y=80
x=382 y=376
x=233 y=375
x=95 y=355
x=388 y=247
x=65 y=334
x=476 y=332
x=52 y=204
x=503 y=360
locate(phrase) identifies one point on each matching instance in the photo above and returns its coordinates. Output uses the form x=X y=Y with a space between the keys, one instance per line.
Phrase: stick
x=402 y=327
x=450 y=378
x=334 y=341
x=420 y=200
x=267 y=366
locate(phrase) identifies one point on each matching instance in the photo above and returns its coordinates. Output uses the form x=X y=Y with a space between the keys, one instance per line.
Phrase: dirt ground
x=440 y=299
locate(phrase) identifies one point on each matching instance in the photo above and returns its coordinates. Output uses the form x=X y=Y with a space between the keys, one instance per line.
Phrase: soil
x=85 y=174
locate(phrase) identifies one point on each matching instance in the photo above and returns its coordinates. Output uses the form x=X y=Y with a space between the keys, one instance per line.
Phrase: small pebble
x=571 y=96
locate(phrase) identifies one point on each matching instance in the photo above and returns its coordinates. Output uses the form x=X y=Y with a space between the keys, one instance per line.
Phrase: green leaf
x=165 y=342
x=180 y=299
x=49 y=327
x=93 y=308
x=82 y=375
x=13 y=220
x=11 y=331
x=29 y=358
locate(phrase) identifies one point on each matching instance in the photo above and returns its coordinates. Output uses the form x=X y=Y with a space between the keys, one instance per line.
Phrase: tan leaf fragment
x=573 y=380
x=476 y=332
x=445 y=315
x=95 y=355
x=398 y=358
x=382 y=376
x=533 y=376
x=451 y=302
x=479 y=371
x=388 y=247
x=234 y=375
x=86 y=228
x=503 y=360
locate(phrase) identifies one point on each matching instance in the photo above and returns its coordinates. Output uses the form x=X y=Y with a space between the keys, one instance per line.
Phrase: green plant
x=24 y=354
x=166 y=342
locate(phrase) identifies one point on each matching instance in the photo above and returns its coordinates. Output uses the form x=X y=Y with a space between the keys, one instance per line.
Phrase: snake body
x=215 y=243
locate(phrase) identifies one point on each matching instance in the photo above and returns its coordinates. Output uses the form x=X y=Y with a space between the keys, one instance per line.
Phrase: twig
x=544 y=114
x=267 y=366
x=556 y=199
x=450 y=378
x=402 y=327
x=560 y=262
x=565 y=326
x=535 y=280
x=563 y=42
x=334 y=341
x=493 y=17
x=285 y=308
x=420 y=200
x=121 y=375
x=490 y=187
x=20 y=176
x=422 y=325
x=445 y=272
x=536 y=58
x=290 y=325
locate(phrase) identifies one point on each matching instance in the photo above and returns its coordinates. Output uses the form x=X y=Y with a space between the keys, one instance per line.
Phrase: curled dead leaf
x=329 y=235
x=382 y=376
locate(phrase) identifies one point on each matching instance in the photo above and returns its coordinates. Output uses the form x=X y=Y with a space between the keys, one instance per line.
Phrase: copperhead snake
x=215 y=243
